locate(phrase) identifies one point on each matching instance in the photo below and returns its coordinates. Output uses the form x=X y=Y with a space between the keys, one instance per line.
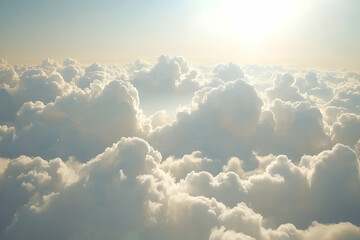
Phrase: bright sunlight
x=256 y=18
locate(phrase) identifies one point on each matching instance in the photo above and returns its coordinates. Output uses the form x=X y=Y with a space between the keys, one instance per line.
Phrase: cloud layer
x=176 y=151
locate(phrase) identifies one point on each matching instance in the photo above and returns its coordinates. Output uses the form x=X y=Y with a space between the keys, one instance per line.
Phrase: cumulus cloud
x=228 y=121
x=79 y=124
x=306 y=187
x=217 y=125
x=284 y=232
x=32 y=85
x=309 y=84
x=124 y=193
x=298 y=129
x=282 y=191
x=284 y=89
x=346 y=129
x=8 y=75
x=169 y=82
x=172 y=150
x=29 y=183
x=228 y=72
x=348 y=98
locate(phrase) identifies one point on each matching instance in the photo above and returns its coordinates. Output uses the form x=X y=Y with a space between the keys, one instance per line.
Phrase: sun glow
x=255 y=18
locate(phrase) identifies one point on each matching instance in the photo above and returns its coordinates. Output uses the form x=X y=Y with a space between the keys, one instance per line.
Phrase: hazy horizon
x=317 y=34
x=166 y=119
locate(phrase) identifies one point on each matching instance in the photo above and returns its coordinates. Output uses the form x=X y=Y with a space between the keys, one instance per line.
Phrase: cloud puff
x=228 y=72
x=165 y=85
x=306 y=187
x=228 y=121
x=79 y=124
x=347 y=93
x=217 y=126
x=30 y=183
x=96 y=72
x=71 y=71
x=346 y=129
x=8 y=75
x=347 y=98
x=282 y=191
x=180 y=168
x=93 y=199
x=32 y=85
x=298 y=129
x=311 y=85
x=285 y=232
x=284 y=89
x=163 y=77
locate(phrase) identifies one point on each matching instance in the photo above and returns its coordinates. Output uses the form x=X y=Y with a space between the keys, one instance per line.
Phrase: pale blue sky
x=324 y=34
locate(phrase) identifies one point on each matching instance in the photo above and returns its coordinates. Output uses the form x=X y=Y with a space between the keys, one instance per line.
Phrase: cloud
x=347 y=98
x=311 y=85
x=71 y=71
x=228 y=121
x=180 y=168
x=97 y=72
x=228 y=72
x=79 y=124
x=284 y=192
x=298 y=129
x=225 y=187
x=346 y=129
x=30 y=183
x=173 y=150
x=97 y=197
x=285 y=232
x=347 y=93
x=297 y=194
x=38 y=83
x=284 y=89
x=8 y=75
x=169 y=82
x=217 y=125
x=8 y=110
x=123 y=192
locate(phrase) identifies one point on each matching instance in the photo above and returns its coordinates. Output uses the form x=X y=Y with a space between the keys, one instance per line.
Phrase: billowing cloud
x=165 y=85
x=298 y=129
x=217 y=125
x=309 y=84
x=284 y=89
x=346 y=129
x=176 y=151
x=124 y=193
x=228 y=72
x=79 y=124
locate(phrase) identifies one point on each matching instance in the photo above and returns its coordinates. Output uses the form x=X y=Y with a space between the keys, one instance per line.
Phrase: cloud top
x=172 y=150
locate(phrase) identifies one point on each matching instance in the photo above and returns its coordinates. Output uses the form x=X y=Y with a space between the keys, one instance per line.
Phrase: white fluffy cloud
x=287 y=232
x=178 y=151
x=125 y=193
x=347 y=95
x=228 y=72
x=165 y=85
x=346 y=129
x=309 y=84
x=218 y=124
x=79 y=124
x=298 y=129
x=284 y=89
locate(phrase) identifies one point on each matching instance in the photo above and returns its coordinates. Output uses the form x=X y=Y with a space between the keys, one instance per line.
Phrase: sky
x=322 y=33
x=199 y=120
